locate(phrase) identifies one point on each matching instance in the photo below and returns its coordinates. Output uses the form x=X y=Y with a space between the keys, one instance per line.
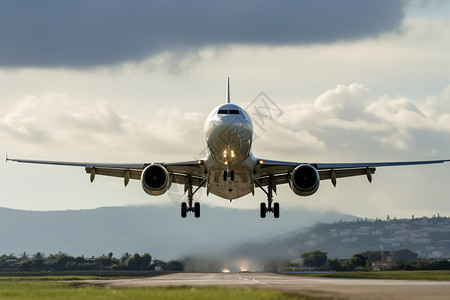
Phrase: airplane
x=229 y=169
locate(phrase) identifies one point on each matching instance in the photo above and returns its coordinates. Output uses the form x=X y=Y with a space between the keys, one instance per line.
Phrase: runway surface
x=322 y=288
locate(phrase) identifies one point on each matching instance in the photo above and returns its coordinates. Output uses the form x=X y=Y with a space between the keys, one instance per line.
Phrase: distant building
x=382 y=265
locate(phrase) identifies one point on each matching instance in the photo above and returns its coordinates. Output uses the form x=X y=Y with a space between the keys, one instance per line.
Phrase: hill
x=429 y=237
x=158 y=230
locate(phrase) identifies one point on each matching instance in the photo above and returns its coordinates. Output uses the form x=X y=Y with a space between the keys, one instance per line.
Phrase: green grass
x=52 y=288
x=400 y=275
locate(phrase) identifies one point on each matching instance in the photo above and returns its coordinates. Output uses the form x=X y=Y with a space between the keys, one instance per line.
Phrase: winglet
x=228 y=90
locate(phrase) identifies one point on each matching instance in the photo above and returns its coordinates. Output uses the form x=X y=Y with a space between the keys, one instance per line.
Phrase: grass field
x=60 y=288
x=400 y=275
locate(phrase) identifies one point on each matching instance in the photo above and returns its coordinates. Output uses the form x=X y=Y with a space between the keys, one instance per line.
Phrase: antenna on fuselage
x=228 y=91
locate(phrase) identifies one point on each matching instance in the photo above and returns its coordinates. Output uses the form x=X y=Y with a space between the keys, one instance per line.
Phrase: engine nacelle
x=155 y=180
x=304 y=180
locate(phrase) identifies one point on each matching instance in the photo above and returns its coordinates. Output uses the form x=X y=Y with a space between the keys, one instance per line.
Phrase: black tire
x=232 y=175
x=197 y=209
x=225 y=175
x=262 y=210
x=276 y=210
x=183 y=210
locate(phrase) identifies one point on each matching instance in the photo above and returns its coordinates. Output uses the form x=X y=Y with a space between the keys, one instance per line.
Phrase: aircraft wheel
x=183 y=210
x=197 y=209
x=276 y=210
x=262 y=210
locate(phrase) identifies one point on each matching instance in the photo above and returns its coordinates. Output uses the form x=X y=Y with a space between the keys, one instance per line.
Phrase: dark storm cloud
x=90 y=33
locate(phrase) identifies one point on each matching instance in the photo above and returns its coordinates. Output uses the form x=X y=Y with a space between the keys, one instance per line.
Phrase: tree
x=61 y=259
x=334 y=265
x=146 y=260
x=358 y=261
x=124 y=257
x=134 y=262
x=174 y=265
x=315 y=258
x=25 y=265
x=38 y=260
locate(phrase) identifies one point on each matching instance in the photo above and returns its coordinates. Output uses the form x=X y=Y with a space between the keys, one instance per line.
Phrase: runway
x=321 y=288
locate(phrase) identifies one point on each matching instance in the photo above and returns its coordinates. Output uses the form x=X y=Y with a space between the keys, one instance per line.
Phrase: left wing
x=180 y=171
x=281 y=170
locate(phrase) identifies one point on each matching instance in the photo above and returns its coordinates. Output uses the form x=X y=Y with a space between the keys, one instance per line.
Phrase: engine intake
x=155 y=180
x=304 y=180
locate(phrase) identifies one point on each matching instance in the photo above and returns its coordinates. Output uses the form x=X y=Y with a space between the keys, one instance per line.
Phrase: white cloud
x=352 y=113
x=436 y=106
x=344 y=102
x=55 y=124
x=397 y=140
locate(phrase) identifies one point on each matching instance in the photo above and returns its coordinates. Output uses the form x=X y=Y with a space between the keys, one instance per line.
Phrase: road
x=321 y=288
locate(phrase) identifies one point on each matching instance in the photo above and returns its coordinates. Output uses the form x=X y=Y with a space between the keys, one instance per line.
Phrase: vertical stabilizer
x=228 y=90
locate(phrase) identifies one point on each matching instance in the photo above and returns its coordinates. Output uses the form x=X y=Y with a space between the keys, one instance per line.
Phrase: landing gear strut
x=190 y=206
x=276 y=206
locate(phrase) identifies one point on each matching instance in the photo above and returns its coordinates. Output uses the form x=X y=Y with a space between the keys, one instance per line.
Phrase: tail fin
x=228 y=91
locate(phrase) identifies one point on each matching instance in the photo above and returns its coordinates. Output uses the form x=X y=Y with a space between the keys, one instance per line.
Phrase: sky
x=133 y=81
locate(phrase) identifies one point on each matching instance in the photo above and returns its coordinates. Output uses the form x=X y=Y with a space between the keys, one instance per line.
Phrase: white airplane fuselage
x=229 y=159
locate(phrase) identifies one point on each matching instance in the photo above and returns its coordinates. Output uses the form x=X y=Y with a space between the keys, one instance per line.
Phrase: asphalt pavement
x=321 y=288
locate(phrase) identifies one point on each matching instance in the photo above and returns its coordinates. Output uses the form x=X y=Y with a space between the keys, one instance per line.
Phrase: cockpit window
x=230 y=112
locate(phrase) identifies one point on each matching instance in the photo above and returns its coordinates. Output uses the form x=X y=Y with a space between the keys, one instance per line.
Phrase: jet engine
x=155 y=180
x=304 y=180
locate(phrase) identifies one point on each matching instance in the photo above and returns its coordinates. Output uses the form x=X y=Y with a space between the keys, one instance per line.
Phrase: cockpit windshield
x=229 y=112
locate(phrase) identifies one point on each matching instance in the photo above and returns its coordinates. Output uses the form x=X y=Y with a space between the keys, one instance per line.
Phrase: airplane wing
x=180 y=171
x=280 y=170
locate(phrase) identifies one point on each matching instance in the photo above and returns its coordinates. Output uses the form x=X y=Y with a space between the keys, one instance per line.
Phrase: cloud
x=345 y=102
x=57 y=124
x=86 y=34
x=349 y=117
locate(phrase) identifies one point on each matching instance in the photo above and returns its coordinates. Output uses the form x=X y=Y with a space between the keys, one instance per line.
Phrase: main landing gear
x=190 y=206
x=264 y=209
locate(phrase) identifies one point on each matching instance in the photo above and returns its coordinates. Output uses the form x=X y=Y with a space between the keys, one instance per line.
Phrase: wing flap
x=341 y=173
x=277 y=179
x=115 y=172
x=182 y=179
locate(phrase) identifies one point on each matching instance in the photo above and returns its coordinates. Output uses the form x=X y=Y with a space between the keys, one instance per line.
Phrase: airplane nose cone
x=229 y=141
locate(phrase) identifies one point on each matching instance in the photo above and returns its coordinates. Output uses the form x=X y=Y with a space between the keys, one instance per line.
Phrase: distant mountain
x=158 y=230
x=429 y=237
